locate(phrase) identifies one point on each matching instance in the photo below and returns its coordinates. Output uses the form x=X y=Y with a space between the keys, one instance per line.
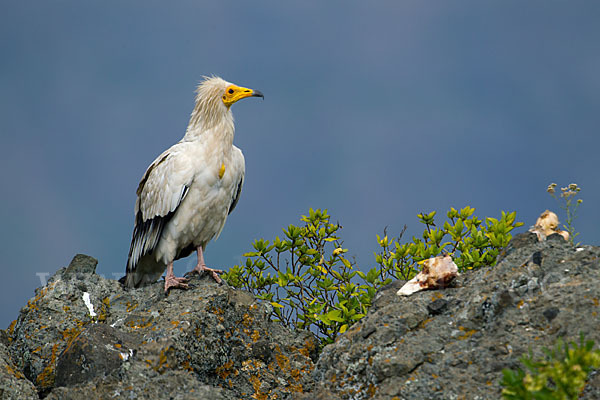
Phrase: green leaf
x=335 y=315
x=372 y=275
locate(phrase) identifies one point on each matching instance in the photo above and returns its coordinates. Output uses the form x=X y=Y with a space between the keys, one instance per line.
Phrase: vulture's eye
x=230 y=91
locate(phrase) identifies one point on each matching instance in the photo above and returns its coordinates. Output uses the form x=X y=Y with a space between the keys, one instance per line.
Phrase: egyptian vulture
x=187 y=193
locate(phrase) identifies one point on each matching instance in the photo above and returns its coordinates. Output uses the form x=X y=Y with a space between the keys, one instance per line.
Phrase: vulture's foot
x=199 y=269
x=175 y=282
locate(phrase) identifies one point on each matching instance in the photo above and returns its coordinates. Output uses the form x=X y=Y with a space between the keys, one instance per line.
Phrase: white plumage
x=186 y=194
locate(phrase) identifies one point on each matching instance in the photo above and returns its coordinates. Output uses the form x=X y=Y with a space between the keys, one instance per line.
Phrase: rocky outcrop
x=83 y=336
x=454 y=343
x=13 y=384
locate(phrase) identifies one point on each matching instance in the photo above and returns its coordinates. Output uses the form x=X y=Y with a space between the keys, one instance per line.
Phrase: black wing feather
x=146 y=234
x=236 y=197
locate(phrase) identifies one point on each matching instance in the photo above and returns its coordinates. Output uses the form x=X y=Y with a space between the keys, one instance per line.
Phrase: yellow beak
x=234 y=93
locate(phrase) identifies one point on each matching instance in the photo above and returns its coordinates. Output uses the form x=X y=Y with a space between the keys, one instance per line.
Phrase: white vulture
x=187 y=193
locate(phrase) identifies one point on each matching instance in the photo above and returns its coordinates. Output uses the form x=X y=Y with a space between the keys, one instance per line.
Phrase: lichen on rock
x=215 y=339
x=453 y=343
x=214 y=342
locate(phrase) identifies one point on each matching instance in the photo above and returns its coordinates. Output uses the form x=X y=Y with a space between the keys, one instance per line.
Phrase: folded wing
x=160 y=192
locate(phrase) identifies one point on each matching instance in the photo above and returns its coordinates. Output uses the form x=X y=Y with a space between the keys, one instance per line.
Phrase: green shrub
x=310 y=283
x=561 y=375
x=307 y=279
x=471 y=243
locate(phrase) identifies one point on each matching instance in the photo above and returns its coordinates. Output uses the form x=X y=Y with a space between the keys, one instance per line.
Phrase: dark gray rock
x=54 y=317
x=82 y=265
x=175 y=385
x=97 y=351
x=83 y=336
x=551 y=313
x=453 y=343
x=437 y=306
x=13 y=384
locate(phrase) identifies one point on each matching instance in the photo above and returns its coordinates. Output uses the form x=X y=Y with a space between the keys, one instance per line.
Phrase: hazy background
x=376 y=111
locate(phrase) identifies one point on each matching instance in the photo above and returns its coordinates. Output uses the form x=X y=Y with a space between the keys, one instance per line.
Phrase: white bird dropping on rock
x=437 y=272
x=88 y=304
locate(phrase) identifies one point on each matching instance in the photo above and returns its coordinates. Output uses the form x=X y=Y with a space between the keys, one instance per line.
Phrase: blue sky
x=376 y=111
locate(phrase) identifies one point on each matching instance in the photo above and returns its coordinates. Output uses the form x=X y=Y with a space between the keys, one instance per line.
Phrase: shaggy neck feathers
x=210 y=115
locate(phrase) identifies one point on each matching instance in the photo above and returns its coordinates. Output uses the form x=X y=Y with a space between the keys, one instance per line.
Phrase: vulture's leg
x=171 y=281
x=201 y=267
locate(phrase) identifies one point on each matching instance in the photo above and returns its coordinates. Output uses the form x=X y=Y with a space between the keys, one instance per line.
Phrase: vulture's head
x=215 y=96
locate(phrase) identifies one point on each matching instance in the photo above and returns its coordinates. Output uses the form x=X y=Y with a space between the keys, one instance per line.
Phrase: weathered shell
x=546 y=225
x=437 y=272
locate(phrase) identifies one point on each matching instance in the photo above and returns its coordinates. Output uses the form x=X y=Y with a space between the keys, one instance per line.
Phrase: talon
x=199 y=269
x=175 y=282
